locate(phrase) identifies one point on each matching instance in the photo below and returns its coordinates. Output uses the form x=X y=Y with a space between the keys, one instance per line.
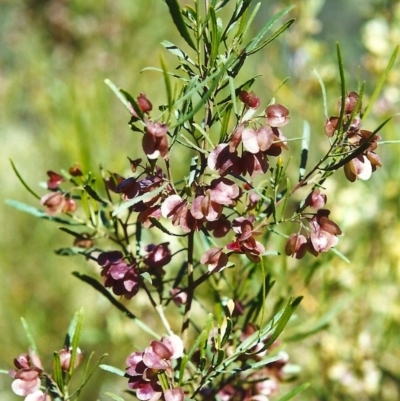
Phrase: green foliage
x=73 y=118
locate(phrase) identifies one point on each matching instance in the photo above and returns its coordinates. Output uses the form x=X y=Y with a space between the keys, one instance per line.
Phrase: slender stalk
x=190 y=291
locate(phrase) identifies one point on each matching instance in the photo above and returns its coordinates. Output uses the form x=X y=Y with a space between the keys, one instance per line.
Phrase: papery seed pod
x=350 y=103
x=330 y=126
x=276 y=115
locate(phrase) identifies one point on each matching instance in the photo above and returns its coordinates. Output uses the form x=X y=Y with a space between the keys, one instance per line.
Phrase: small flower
x=257 y=141
x=296 y=245
x=144 y=103
x=219 y=227
x=215 y=259
x=324 y=231
x=157 y=256
x=175 y=394
x=331 y=125
x=27 y=380
x=123 y=278
x=53 y=202
x=224 y=160
x=75 y=170
x=350 y=103
x=179 y=296
x=65 y=358
x=160 y=353
x=54 y=180
x=203 y=207
x=316 y=199
x=245 y=242
x=358 y=167
x=155 y=140
x=176 y=208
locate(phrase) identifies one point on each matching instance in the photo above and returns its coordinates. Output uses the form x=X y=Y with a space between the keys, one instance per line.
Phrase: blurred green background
x=56 y=110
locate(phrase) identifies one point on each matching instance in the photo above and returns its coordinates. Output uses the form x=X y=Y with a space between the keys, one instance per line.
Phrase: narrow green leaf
x=204 y=134
x=146 y=276
x=233 y=95
x=176 y=15
x=256 y=41
x=295 y=392
x=117 y=92
x=342 y=85
x=323 y=90
x=113 y=369
x=200 y=343
x=73 y=251
x=225 y=123
x=145 y=197
x=204 y=98
x=29 y=335
x=99 y=287
x=160 y=70
x=215 y=35
x=267 y=41
x=340 y=254
x=176 y=51
x=22 y=181
x=264 y=362
x=167 y=82
x=245 y=24
x=114 y=397
x=57 y=371
x=87 y=374
x=74 y=335
x=283 y=321
x=380 y=84
x=94 y=195
x=157 y=224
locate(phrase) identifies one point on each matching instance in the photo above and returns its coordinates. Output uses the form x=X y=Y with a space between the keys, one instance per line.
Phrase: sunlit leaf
x=176 y=15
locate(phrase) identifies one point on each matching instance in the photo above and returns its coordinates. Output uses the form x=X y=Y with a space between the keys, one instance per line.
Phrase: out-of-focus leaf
x=380 y=84
x=294 y=392
x=267 y=41
x=29 y=335
x=255 y=42
x=38 y=213
x=88 y=373
x=146 y=276
x=176 y=15
x=340 y=254
x=114 y=397
x=112 y=369
x=323 y=91
x=22 y=181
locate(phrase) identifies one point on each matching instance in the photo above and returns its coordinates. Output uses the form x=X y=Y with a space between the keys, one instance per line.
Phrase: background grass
x=56 y=110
